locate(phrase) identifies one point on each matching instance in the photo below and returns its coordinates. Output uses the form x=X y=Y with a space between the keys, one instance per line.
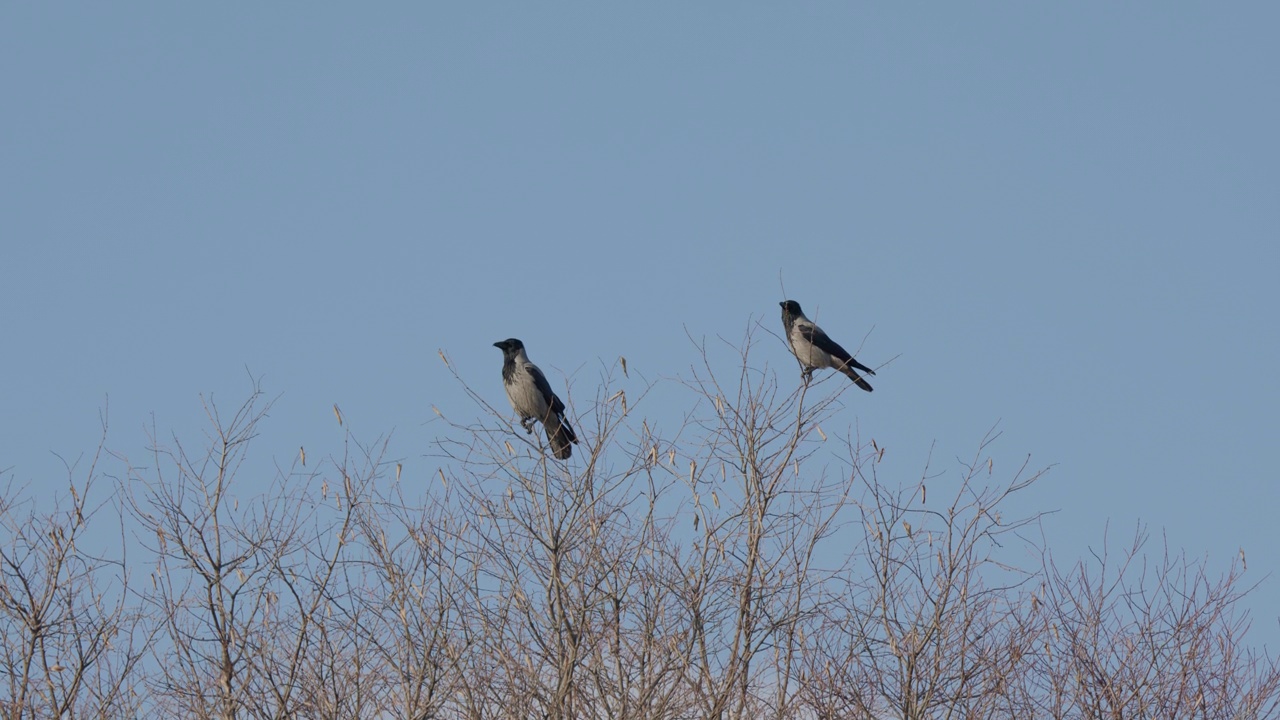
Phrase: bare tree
x=70 y=637
x=236 y=590
x=737 y=558
x=562 y=610
x=1127 y=635
x=408 y=620
x=751 y=578
x=927 y=623
x=312 y=656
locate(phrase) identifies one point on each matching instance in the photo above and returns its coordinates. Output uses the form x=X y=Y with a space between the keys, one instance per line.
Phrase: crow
x=815 y=350
x=531 y=397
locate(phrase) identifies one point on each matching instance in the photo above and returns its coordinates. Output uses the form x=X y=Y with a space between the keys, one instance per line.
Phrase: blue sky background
x=1060 y=218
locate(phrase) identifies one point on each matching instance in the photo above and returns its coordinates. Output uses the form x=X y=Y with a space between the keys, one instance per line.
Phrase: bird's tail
x=856 y=378
x=560 y=435
x=853 y=362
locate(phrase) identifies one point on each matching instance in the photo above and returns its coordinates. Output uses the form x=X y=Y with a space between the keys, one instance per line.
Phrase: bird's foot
x=527 y=424
x=807 y=375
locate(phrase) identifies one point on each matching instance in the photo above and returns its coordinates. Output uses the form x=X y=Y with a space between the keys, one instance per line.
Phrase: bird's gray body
x=531 y=397
x=814 y=349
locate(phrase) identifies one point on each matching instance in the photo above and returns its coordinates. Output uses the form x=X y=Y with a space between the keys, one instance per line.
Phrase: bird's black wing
x=820 y=340
x=544 y=387
x=559 y=431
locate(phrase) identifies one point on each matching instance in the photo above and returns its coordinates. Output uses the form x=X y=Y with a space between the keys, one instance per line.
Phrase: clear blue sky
x=1063 y=218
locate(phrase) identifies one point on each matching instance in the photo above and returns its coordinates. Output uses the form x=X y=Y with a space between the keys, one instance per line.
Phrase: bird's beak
x=498 y=344
x=782 y=304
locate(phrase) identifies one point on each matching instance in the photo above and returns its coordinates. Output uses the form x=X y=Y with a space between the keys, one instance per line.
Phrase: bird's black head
x=510 y=346
x=791 y=307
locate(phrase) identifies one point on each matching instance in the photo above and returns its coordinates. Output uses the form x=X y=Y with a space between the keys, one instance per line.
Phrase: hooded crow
x=531 y=397
x=815 y=350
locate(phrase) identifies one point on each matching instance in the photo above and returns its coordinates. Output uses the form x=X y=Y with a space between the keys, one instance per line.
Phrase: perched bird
x=531 y=397
x=815 y=350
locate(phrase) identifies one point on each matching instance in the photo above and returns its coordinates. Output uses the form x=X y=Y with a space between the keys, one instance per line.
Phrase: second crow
x=531 y=397
x=815 y=350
